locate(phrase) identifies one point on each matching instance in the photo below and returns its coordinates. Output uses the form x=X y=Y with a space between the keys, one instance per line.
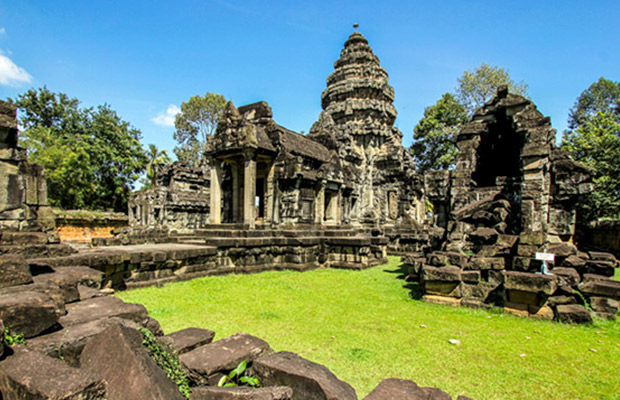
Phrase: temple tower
x=358 y=120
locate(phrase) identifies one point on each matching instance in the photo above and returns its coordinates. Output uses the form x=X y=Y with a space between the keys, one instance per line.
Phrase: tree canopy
x=594 y=140
x=195 y=124
x=479 y=86
x=157 y=160
x=435 y=134
x=91 y=156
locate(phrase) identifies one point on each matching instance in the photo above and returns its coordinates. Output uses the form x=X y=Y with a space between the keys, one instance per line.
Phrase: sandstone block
x=483 y=236
x=443 y=274
x=573 y=313
x=102 y=307
x=601 y=267
x=188 y=339
x=14 y=270
x=443 y=300
x=28 y=312
x=528 y=282
x=33 y=376
x=405 y=390
x=604 y=288
x=604 y=305
x=308 y=380
x=68 y=279
x=222 y=355
x=486 y=263
x=567 y=276
x=574 y=261
x=241 y=393
x=117 y=355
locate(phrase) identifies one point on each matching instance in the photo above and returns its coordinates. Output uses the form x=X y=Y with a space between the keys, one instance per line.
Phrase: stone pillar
x=216 y=193
x=319 y=204
x=270 y=194
x=249 y=189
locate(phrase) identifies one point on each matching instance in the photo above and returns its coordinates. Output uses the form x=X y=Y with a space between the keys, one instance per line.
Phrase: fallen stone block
x=567 y=276
x=486 y=263
x=529 y=282
x=443 y=300
x=241 y=393
x=102 y=307
x=604 y=305
x=86 y=292
x=117 y=355
x=482 y=236
x=599 y=255
x=445 y=274
x=33 y=376
x=188 y=339
x=14 y=270
x=49 y=288
x=68 y=279
x=574 y=262
x=28 y=312
x=67 y=344
x=603 y=287
x=573 y=313
x=308 y=380
x=601 y=267
x=402 y=389
x=222 y=355
x=441 y=288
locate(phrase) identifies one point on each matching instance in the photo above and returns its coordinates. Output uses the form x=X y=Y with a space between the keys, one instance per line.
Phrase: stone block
x=480 y=290
x=486 y=263
x=442 y=274
x=443 y=300
x=68 y=278
x=604 y=305
x=222 y=356
x=601 y=288
x=442 y=288
x=536 y=238
x=573 y=313
x=544 y=312
x=528 y=282
x=518 y=309
x=599 y=255
x=14 y=270
x=574 y=261
x=188 y=339
x=103 y=307
x=527 y=298
x=405 y=390
x=566 y=276
x=526 y=250
x=471 y=276
x=308 y=380
x=241 y=393
x=483 y=236
x=562 y=249
x=476 y=303
x=117 y=355
x=28 y=312
x=600 y=267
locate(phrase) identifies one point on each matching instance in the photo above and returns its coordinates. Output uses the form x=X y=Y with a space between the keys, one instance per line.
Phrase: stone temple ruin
x=345 y=196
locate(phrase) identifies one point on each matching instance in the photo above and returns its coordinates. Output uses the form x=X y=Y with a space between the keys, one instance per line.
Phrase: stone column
x=319 y=204
x=270 y=194
x=216 y=193
x=249 y=189
x=236 y=189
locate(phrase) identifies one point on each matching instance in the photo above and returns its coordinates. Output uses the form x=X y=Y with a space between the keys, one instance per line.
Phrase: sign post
x=544 y=257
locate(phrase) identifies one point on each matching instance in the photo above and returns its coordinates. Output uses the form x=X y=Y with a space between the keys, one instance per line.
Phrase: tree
x=601 y=96
x=195 y=124
x=478 y=86
x=435 y=134
x=157 y=160
x=596 y=144
x=91 y=156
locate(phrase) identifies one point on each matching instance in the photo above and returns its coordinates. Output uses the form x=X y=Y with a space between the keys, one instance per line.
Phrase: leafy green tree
x=435 y=134
x=195 y=124
x=478 y=86
x=601 y=96
x=91 y=156
x=596 y=144
x=157 y=160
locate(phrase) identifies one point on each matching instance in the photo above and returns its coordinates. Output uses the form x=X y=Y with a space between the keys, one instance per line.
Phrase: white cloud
x=2 y=30
x=11 y=74
x=167 y=118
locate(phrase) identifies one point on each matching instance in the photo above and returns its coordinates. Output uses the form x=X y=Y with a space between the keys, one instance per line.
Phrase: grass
x=365 y=327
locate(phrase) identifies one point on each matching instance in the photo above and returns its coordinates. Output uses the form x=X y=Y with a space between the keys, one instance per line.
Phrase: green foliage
x=601 y=96
x=325 y=315
x=195 y=124
x=435 y=134
x=478 y=86
x=91 y=156
x=157 y=160
x=239 y=377
x=596 y=144
x=12 y=340
x=167 y=360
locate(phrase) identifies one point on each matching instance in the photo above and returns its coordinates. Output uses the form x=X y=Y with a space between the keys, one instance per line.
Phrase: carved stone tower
x=358 y=120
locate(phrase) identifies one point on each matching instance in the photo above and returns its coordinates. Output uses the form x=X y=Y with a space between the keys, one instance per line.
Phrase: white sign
x=545 y=257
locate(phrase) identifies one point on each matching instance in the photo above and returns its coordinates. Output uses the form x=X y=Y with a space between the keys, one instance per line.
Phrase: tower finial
x=355 y=26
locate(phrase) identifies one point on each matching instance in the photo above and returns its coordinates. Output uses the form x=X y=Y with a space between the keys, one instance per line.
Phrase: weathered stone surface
x=604 y=305
x=223 y=355
x=309 y=381
x=48 y=288
x=68 y=343
x=242 y=393
x=14 y=270
x=405 y=390
x=573 y=313
x=567 y=276
x=188 y=339
x=443 y=300
x=153 y=325
x=444 y=274
x=484 y=236
x=28 y=312
x=599 y=255
x=574 y=261
x=68 y=279
x=605 y=288
x=102 y=307
x=117 y=354
x=86 y=292
x=528 y=282
x=31 y=375
x=562 y=249
x=600 y=267
x=483 y=263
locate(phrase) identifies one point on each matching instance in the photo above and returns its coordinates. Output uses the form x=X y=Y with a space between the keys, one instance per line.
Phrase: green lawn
x=365 y=327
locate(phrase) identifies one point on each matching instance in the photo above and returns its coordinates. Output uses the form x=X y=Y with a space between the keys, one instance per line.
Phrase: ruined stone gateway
x=344 y=196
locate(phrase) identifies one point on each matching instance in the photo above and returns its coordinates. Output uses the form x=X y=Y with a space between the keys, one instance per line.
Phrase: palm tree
x=157 y=160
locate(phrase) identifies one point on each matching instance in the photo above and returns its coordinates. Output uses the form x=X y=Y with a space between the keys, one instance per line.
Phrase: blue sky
x=142 y=57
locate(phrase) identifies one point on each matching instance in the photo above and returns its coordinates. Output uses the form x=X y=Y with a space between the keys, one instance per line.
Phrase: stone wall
x=603 y=235
x=83 y=226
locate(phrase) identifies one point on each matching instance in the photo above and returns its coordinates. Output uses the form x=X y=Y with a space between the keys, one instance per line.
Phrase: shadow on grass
x=414 y=288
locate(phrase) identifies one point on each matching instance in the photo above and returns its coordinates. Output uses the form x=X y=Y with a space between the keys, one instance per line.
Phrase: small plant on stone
x=11 y=340
x=167 y=359
x=239 y=377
